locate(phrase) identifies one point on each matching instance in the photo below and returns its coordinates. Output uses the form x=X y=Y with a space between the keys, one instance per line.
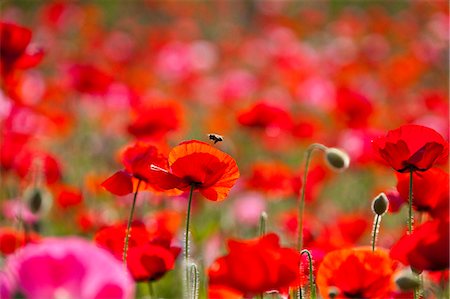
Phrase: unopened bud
x=380 y=204
x=407 y=281
x=337 y=159
x=333 y=292
x=38 y=200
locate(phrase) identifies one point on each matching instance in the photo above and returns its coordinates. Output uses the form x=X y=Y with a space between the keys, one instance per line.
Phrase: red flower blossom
x=11 y=240
x=195 y=163
x=67 y=196
x=353 y=108
x=411 y=147
x=427 y=248
x=15 y=50
x=256 y=266
x=148 y=258
x=430 y=191
x=261 y=115
x=356 y=273
x=152 y=260
x=89 y=79
x=137 y=160
x=11 y=144
x=40 y=162
x=272 y=177
x=156 y=121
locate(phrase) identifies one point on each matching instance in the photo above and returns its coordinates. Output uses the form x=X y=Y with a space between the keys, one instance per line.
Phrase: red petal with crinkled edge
x=119 y=183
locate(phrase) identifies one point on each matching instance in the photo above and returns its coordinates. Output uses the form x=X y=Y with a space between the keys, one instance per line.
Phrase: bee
x=215 y=137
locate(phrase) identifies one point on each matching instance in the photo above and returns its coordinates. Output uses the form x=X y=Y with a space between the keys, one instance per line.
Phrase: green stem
x=186 y=240
x=375 y=231
x=312 y=288
x=262 y=224
x=128 y=231
x=301 y=205
x=410 y=200
x=151 y=291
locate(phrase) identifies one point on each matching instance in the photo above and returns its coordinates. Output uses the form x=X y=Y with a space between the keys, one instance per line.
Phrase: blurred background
x=271 y=77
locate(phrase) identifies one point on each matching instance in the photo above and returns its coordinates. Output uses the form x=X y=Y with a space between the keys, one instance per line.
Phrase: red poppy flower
x=112 y=237
x=11 y=144
x=271 y=118
x=89 y=79
x=411 y=147
x=137 y=160
x=272 y=177
x=11 y=240
x=195 y=163
x=256 y=266
x=41 y=162
x=147 y=259
x=15 y=50
x=356 y=273
x=152 y=260
x=67 y=196
x=353 y=108
x=427 y=248
x=156 y=121
x=430 y=191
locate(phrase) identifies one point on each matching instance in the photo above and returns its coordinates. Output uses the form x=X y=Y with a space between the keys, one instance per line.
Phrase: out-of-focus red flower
x=11 y=144
x=68 y=196
x=89 y=79
x=411 y=147
x=198 y=164
x=395 y=200
x=41 y=163
x=15 y=49
x=352 y=108
x=137 y=160
x=356 y=273
x=430 y=191
x=112 y=237
x=11 y=240
x=427 y=248
x=152 y=260
x=147 y=258
x=223 y=292
x=256 y=266
x=164 y=224
x=272 y=177
x=316 y=177
x=268 y=117
x=156 y=121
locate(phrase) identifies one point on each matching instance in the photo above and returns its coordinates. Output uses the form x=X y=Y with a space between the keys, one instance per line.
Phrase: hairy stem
x=375 y=231
x=410 y=200
x=130 y=219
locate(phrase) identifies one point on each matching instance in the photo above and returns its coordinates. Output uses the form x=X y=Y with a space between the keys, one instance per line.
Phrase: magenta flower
x=68 y=268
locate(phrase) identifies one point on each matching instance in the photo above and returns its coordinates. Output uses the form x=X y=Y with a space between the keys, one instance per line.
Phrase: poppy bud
x=333 y=292
x=407 y=281
x=38 y=200
x=380 y=204
x=337 y=159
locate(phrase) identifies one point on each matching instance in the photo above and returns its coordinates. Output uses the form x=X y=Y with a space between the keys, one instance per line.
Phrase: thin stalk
x=312 y=288
x=186 y=242
x=301 y=205
x=128 y=231
x=410 y=200
x=151 y=291
x=262 y=223
x=375 y=231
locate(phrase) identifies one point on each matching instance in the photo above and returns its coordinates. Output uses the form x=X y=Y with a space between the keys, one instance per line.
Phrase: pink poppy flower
x=68 y=268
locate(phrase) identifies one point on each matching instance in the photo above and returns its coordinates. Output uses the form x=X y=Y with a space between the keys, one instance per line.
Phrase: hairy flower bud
x=337 y=159
x=407 y=281
x=380 y=204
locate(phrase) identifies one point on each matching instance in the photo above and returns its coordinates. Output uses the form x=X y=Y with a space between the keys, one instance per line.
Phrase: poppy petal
x=120 y=183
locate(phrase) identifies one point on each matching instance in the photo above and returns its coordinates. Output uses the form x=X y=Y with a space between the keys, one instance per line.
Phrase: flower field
x=224 y=149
